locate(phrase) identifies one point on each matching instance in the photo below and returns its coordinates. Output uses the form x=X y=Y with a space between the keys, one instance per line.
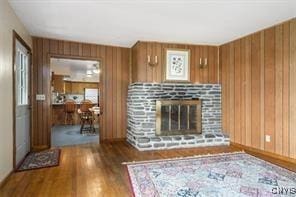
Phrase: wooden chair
x=69 y=109
x=86 y=117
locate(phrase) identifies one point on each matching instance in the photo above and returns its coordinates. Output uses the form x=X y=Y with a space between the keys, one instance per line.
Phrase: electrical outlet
x=267 y=138
x=40 y=97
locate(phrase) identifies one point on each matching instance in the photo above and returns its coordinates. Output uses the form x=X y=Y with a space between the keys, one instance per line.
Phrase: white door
x=22 y=102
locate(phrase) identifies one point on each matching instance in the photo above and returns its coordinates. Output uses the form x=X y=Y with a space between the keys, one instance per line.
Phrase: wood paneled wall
x=114 y=83
x=258 y=75
x=142 y=72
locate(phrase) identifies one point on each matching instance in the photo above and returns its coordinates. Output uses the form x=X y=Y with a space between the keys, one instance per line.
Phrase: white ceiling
x=123 y=22
x=76 y=69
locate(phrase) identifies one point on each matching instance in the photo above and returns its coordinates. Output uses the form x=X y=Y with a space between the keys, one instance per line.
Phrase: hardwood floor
x=96 y=170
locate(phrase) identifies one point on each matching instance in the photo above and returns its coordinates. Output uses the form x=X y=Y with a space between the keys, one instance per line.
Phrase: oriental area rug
x=43 y=159
x=227 y=174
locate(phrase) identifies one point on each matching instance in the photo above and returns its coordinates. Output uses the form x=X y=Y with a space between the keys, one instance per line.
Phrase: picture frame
x=177 y=65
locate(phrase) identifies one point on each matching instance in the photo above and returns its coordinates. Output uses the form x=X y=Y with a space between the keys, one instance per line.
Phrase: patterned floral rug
x=43 y=159
x=228 y=174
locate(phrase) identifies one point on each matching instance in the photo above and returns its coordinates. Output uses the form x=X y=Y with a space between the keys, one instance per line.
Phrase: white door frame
x=16 y=38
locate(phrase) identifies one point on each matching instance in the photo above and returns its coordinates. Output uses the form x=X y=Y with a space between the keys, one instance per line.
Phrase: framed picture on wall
x=177 y=65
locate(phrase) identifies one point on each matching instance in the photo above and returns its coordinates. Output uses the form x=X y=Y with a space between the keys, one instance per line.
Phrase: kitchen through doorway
x=75 y=101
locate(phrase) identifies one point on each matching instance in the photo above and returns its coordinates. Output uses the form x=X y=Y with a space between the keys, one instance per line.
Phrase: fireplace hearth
x=145 y=131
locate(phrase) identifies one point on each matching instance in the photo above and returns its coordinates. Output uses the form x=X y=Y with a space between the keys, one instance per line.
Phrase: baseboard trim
x=4 y=181
x=114 y=140
x=262 y=152
x=39 y=148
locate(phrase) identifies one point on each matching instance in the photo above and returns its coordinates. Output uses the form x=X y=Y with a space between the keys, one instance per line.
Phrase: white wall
x=8 y=22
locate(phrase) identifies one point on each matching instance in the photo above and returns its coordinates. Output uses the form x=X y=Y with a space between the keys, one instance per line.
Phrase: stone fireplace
x=166 y=115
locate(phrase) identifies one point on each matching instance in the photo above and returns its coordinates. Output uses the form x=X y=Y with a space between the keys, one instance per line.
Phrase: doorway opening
x=75 y=101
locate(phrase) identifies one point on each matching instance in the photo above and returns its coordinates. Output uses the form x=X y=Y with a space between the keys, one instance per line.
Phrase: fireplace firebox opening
x=178 y=117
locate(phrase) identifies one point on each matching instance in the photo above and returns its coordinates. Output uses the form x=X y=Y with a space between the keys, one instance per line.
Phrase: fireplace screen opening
x=178 y=117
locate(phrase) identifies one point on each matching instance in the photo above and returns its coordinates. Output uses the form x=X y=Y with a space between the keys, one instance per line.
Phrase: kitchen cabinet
x=70 y=87
x=58 y=83
x=78 y=87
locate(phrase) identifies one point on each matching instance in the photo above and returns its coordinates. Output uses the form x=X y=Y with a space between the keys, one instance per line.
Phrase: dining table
x=96 y=112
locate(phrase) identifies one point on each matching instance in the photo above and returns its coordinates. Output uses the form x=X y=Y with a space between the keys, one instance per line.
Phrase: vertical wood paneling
x=109 y=107
x=142 y=62
x=215 y=77
x=243 y=91
x=205 y=71
x=53 y=45
x=150 y=69
x=192 y=66
x=211 y=60
x=47 y=47
x=237 y=91
x=74 y=49
x=154 y=68
x=264 y=100
x=269 y=103
x=67 y=50
x=124 y=89
x=119 y=83
x=224 y=90
x=279 y=89
x=195 y=64
x=262 y=92
x=202 y=70
x=227 y=62
x=293 y=89
x=231 y=92
x=114 y=95
x=135 y=62
x=142 y=72
x=255 y=86
x=61 y=47
x=113 y=86
x=101 y=53
x=159 y=69
x=93 y=51
x=286 y=65
x=39 y=118
x=80 y=49
x=86 y=50
x=248 y=91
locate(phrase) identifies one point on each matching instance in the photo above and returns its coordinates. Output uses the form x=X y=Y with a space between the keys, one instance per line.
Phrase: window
x=22 y=73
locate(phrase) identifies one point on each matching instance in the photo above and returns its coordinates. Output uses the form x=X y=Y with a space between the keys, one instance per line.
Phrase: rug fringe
x=186 y=157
